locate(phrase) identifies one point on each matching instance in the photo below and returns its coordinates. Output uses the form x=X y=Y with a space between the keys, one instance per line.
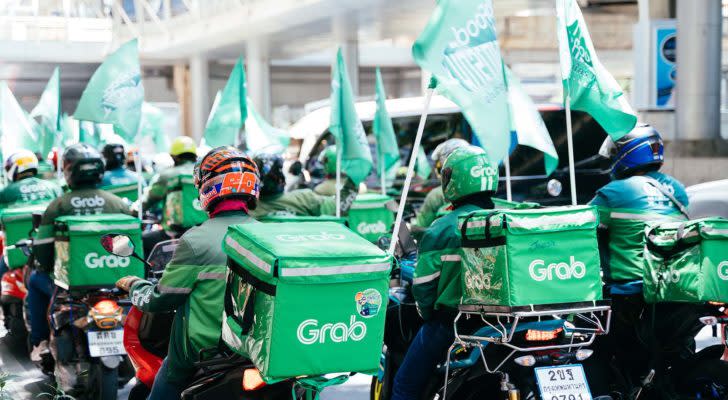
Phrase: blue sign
x=665 y=72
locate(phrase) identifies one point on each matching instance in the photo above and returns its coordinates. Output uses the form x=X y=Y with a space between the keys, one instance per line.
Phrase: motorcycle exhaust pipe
x=512 y=393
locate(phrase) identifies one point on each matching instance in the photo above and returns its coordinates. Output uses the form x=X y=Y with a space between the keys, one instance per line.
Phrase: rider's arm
x=327 y=204
x=178 y=281
x=426 y=281
x=43 y=244
x=156 y=192
x=428 y=212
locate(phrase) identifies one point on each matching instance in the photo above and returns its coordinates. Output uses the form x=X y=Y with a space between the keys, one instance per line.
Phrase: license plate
x=566 y=382
x=106 y=343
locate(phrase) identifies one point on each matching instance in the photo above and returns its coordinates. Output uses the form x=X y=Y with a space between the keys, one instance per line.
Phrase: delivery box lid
x=22 y=212
x=370 y=200
x=313 y=252
x=529 y=221
x=99 y=223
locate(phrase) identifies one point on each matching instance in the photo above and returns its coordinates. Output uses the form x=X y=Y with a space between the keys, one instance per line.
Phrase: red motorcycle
x=12 y=295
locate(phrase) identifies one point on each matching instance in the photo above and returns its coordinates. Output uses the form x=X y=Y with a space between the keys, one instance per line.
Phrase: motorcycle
x=220 y=374
x=498 y=352
x=12 y=296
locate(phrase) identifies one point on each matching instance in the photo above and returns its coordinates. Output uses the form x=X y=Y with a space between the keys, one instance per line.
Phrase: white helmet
x=20 y=162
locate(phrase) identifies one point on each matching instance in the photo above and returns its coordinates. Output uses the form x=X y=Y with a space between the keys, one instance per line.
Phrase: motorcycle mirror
x=118 y=244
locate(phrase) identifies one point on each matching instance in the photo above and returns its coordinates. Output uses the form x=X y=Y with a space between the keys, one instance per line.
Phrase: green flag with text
x=229 y=112
x=114 y=95
x=587 y=84
x=387 y=148
x=460 y=48
x=351 y=140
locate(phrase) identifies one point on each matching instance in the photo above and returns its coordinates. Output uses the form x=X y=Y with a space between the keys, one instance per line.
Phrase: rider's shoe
x=39 y=351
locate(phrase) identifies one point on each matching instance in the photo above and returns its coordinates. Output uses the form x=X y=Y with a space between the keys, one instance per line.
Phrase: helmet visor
x=608 y=149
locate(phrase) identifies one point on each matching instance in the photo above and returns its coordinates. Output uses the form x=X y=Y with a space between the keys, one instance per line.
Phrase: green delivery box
x=370 y=217
x=305 y=298
x=17 y=223
x=127 y=191
x=301 y=218
x=81 y=261
x=529 y=257
x=687 y=261
x=181 y=204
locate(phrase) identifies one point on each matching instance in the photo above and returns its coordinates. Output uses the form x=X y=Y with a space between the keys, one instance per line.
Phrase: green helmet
x=328 y=159
x=466 y=171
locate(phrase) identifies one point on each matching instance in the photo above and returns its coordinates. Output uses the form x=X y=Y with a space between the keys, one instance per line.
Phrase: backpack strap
x=680 y=206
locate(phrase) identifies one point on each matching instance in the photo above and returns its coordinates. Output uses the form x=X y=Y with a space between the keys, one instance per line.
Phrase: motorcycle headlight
x=106 y=314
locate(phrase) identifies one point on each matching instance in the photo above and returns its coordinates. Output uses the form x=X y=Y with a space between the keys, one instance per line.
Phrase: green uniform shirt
x=193 y=284
x=29 y=191
x=437 y=278
x=158 y=186
x=306 y=203
x=87 y=201
x=430 y=209
x=326 y=188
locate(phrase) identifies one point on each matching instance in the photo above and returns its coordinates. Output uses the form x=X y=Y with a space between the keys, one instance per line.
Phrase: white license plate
x=106 y=343
x=566 y=382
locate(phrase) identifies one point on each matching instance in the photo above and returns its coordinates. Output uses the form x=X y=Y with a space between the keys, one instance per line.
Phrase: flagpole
x=410 y=170
x=570 y=140
x=507 y=164
x=339 y=150
x=59 y=172
x=381 y=172
x=138 y=165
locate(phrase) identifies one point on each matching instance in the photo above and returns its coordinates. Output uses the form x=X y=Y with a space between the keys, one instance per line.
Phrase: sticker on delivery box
x=368 y=303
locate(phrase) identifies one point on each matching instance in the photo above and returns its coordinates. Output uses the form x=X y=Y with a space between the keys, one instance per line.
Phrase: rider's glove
x=126 y=282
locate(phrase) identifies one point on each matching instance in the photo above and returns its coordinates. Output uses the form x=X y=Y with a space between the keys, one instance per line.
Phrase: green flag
x=89 y=133
x=228 y=115
x=67 y=132
x=17 y=129
x=351 y=140
x=260 y=136
x=49 y=111
x=423 y=167
x=527 y=123
x=153 y=127
x=114 y=95
x=387 y=148
x=460 y=48
x=587 y=84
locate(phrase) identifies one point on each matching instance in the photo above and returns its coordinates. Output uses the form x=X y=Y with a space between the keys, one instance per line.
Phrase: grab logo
x=31 y=188
x=196 y=205
x=378 y=227
x=673 y=276
x=87 y=202
x=723 y=270
x=479 y=171
x=540 y=272
x=93 y=261
x=477 y=281
x=309 y=332
x=312 y=238
x=482 y=21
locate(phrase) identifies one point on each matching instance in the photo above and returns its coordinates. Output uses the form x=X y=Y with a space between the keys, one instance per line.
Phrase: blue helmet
x=641 y=150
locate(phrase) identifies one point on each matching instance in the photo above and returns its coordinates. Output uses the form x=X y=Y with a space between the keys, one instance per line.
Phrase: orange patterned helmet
x=224 y=173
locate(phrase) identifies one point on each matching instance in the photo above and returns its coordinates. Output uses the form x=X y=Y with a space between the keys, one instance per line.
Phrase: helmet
x=82 y=166
x=327 y=158
x=20 y=163
x=641 y=150
x=226 y=173
x=131 y=158
x=443 y=150
x=183 y=145
x=271 y=171
x=114 y=155
x=466 y=171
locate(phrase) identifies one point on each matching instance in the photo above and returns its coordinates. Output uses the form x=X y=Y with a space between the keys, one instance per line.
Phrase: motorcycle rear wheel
x=103 y=383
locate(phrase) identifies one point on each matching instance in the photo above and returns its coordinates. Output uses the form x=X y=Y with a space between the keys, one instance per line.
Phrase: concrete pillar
x=346 y=34
x=699 y=68
x=258 y=74
x=199 y=93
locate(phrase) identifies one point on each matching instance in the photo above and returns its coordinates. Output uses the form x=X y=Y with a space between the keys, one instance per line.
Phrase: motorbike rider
x=83 y=169
x=435 y=199
x=327 y=158
x=437 y=280
x=193 y=282
x=638 y=193
x=301 y=202
x=116 y=171
x=184 y=154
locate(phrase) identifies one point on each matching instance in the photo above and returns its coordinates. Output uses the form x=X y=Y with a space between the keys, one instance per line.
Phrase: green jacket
x=29 y=191
x=305 y=202
x=193 y=284
x=326 y=188
x=158 y=186
x=431 y=207
x=437 y=278
x=87 y=201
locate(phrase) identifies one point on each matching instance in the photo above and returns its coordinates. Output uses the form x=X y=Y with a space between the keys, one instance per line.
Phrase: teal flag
x=587 y=84
x=114 y=95
x=460 y=48
x=387 y=148
x=49 y=111
x=153 y=127
x=229 y=113
x=89 y=133
x=351 y=140
x=67 y=132
x=527 y=123
x=423 y=167
x=262 y=137
x=17 y=130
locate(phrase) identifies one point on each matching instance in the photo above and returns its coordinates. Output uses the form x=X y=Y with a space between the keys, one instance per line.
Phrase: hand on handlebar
x=126 y=282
